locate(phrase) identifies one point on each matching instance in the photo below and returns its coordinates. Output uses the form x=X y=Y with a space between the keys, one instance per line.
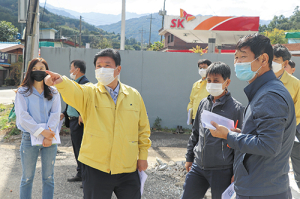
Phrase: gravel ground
x=161 y=183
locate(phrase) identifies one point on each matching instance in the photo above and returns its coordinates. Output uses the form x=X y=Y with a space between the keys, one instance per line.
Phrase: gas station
x=216 y=32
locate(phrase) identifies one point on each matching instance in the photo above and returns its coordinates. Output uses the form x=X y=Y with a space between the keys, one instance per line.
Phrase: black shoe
x=75 y=179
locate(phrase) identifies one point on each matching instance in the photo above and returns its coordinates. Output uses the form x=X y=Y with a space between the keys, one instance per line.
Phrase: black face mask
x=38 y=75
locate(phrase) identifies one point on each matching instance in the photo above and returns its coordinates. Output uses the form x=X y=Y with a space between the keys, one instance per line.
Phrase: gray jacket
x=262 y=149
x=206 y=151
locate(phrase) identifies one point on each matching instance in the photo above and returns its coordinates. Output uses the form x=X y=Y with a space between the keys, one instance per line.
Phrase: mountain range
x=93 y=18
x=135 y=23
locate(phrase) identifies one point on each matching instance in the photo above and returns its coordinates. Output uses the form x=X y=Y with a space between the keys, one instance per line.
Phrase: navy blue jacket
x=83 y=80
x=208 y=152
x=263 y=148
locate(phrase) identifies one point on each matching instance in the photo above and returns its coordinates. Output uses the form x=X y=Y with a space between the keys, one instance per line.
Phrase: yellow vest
x=292 y=84
x=198 y=93
x=115 y=135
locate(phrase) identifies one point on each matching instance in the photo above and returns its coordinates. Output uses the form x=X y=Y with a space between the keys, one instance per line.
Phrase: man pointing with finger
x=116 y=132
x=264 y=144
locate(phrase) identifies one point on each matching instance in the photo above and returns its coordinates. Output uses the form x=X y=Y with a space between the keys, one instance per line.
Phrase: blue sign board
x=3 y=58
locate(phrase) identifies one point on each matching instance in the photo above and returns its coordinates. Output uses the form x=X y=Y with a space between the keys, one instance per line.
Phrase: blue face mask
x=243 y=71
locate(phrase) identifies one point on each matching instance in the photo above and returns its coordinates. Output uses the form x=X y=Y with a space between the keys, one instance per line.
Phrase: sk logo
x=184 y=14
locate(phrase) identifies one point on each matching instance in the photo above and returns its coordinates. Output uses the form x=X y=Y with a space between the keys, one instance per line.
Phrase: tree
x=104 y=43
x=157 y=46
x=276 y=36
x=8 y=31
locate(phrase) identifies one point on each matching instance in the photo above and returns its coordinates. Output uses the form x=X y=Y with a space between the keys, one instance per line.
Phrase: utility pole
x=150 y=29
x=31 y=35
x=80 y=31
x=142 y=38
x=162 y=13
x=60 y=34
x=122 y=44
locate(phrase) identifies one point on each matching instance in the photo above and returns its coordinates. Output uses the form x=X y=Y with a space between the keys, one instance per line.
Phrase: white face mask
x=105 y=75
x=276 y=67
x=215 y=89
x=202 y=72
x=72 y=76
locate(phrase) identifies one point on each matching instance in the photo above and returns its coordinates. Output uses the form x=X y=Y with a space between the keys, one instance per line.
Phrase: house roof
x=7 y=46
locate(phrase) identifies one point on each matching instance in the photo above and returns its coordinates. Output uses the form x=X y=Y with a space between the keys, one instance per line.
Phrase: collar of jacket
x=122 y=88
x=201 y=80
x=222 y=100
x=285 y=77
x=252 y=88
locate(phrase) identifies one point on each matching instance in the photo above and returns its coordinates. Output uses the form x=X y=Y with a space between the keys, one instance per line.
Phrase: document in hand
x=143 y=178
x=229 y=193
x=39 y=139
x=207 y=117
x=190 y=115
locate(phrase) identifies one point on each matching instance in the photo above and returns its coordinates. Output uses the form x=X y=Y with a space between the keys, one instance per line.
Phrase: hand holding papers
x=39 y=140
x=207 y=117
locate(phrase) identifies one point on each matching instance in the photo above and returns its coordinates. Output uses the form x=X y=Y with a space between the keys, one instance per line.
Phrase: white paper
x=229 y=193
x=296 y=139
x=143 y=178
x=190 y=116
x=207 y=117
x=39 y=139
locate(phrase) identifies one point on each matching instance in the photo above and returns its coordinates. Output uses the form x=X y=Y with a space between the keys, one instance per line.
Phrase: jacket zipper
x=204 y=138
x=223 y=150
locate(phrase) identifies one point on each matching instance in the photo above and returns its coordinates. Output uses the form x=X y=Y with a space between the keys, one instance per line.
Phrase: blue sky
x=265 y=9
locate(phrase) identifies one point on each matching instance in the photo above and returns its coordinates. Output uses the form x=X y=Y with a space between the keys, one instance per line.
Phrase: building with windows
x=9 y=54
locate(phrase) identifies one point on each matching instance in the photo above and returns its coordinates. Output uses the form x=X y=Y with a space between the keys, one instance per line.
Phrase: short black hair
x=79 y=64
x=204 y=61
x=258 y=44
x=281 y=51
x=109 y=52
x=219 y=68
x=292 y=64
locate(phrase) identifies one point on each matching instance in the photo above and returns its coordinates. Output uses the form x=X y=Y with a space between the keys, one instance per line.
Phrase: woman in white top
x=37 y=108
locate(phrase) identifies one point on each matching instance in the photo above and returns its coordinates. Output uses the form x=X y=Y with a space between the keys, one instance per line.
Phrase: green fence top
x=292 y=35
x=46 y=44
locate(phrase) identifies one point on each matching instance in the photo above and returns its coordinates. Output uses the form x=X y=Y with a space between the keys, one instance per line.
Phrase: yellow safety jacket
x=198 y=93
x=292 y=84
x=115 y=135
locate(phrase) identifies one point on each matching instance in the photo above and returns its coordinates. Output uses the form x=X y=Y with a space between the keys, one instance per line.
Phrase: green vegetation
x=7 y=31
x=68 y=27
x=9 y=127
x=276 y=29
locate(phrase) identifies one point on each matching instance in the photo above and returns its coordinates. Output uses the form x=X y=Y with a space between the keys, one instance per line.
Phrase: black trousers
x=198 y=181
x=76 y=137
x=98 y=184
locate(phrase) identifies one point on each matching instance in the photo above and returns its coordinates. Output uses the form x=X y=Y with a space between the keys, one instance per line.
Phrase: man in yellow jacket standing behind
x=199 y=88
x=116 y=133
x=292 y=84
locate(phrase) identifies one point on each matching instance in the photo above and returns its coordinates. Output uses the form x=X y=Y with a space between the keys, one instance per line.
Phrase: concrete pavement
x=7 y=95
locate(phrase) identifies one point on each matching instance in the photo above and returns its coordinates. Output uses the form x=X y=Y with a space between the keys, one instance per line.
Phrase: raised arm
x=72 y=93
